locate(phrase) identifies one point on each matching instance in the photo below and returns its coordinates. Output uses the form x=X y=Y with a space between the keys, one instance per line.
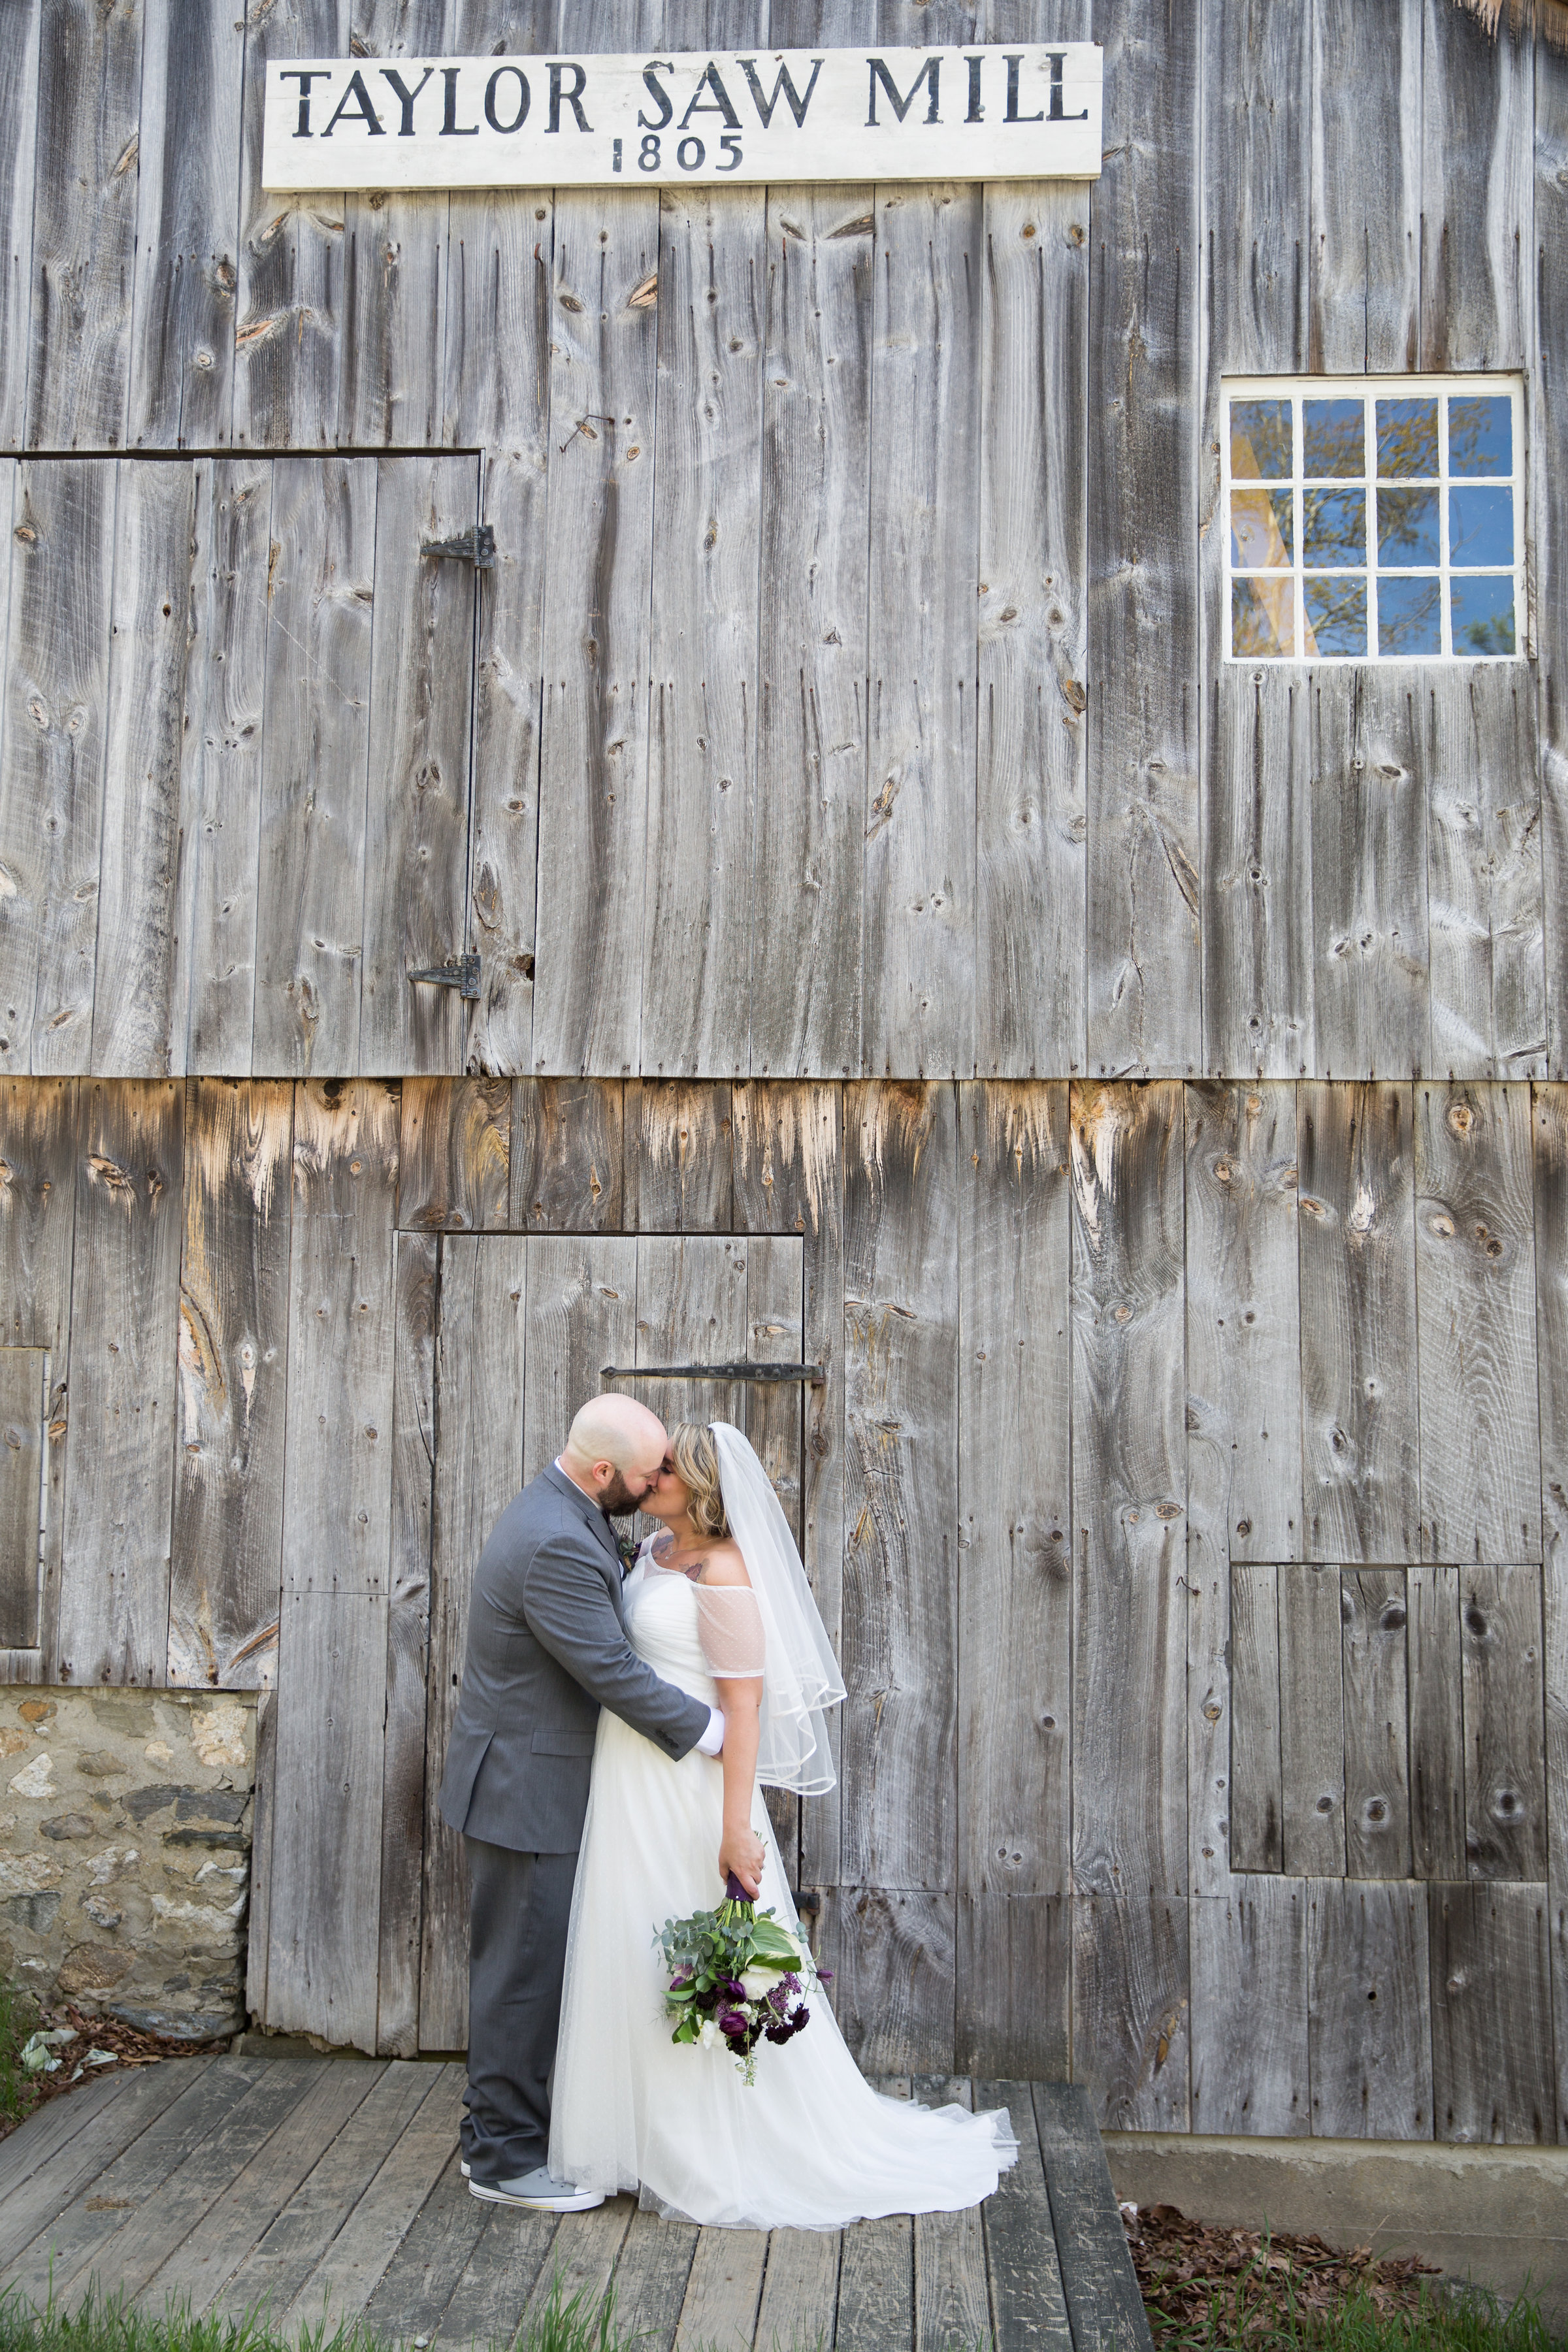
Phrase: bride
x=726 y=1613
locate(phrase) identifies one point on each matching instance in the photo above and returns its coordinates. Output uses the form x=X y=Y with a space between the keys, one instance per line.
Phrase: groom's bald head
x=615 y=1450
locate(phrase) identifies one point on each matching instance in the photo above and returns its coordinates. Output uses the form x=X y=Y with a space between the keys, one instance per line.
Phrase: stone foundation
x=126 y=1851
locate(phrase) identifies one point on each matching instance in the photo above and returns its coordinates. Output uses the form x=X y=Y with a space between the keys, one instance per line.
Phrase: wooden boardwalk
x=330 y=2187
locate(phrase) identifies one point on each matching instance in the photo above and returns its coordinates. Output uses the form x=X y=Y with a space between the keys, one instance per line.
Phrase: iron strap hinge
x=476 y=546
x=760 y=1374
x=461 y=972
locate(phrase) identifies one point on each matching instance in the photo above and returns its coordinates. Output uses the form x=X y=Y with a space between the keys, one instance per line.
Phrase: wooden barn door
x=527 y=1325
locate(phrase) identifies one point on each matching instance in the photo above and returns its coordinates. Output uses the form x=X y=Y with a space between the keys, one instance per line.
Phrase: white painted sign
x=987 y=113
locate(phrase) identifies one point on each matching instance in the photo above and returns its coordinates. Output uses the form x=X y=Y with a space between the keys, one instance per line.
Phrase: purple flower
x=826 y=1975
x=735 y=1990
x=731 y=2022
x=683 y=1976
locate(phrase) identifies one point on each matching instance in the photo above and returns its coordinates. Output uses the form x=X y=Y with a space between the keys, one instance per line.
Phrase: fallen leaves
x=1240 y=2285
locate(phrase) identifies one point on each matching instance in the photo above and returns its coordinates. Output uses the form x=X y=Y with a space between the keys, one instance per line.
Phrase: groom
x=547 y=1648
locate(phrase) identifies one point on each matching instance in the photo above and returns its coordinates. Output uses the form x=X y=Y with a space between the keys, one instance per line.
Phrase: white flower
x=758 y=1981
x=710 y=2034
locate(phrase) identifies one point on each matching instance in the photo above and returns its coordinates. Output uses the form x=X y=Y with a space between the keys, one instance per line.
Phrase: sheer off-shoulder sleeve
x=729 y=1625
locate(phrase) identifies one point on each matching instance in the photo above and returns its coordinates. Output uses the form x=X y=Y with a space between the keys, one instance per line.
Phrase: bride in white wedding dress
x=727 y=1614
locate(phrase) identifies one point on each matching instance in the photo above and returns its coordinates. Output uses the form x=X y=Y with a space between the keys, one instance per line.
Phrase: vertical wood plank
x=1555 y=1597
x=497 y=354
x=221 y=808
x=901 y=1503
x=598 y=580
x=1550 y=1162
x=226 y=1562
x=1437 y=1724
x=1132 y=2011
x=324 y=1903
x=811 y=662
x=1477 y=116
x=84 y=225
x=24 y=1406
x=1475 y=1296
x=37 y=1210
x=567 y=1155
x=1244 y=1437
x=691 y=1309
x=697 y=927
x=1129 y=1480
x=416 y=822
x=454 y=1155
x=51 y=774
x=260 y=1920
x=136 y=1029
x=1258 y=957
x=478 y=1468
x=1030 y=797
x=1249 y=2009
x=1377 y=1715
x=1369 y=2035
x=1358 y=1383
x=407 y=1646
x=1492 y=2015
x=504 y=797
x=582 y=1314
x=114 y=1596
x=1501 y=1639
x=394 y=264
x=1312 y=1722
x=337 y=1472
x=679 y=1158
x=1014 y=1982
x=775 y=1333
x=1371 y=924
x=187 y=227
x=789 y=1178
x=1363 y=251
x=917 y=1004
x=1547 y=391
x=893 y=1959
x=1486 y=940
x=1015 y=1409
x=1145 y=975
x=310 y=909
x=1256 y=1782
x=290 y=302
x=18 y=154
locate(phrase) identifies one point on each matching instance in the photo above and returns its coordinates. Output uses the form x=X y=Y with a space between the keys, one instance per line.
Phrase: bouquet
x=735 y=1974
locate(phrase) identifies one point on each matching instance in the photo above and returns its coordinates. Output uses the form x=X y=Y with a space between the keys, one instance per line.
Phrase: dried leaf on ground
x=1242 y=2282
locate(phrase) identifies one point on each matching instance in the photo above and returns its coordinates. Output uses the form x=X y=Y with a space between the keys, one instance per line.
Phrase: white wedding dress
x=810 y=2145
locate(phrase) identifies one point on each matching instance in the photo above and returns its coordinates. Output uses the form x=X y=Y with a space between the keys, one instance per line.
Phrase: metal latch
x=461 y=972
x=476 y=546
x=757 y=1374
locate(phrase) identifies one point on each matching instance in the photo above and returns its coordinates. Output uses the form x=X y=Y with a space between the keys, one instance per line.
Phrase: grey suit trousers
x=521 y=1907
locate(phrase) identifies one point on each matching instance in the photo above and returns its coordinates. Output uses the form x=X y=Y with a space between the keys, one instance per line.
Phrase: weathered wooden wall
x=1184 y=1497
x=923 y=763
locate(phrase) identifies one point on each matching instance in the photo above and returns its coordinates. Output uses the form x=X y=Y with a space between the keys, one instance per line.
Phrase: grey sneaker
x=538 y=2191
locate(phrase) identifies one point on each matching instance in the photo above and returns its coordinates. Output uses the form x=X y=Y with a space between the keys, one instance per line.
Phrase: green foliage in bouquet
x=738 y=1976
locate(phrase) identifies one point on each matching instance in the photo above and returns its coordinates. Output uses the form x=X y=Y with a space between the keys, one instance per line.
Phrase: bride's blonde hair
x=696 y=1459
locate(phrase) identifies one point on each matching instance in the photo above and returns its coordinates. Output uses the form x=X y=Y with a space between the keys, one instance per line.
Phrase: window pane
x=1480 y=526
x=1259 y=439
x=1260 y=528
x=1334 y=438
x=1483 y=616
x=1481 y=436
x=1407 y=527
x=1262 y=618
x=1336 y=616
x=1407 y=437
x=1409 y=618
x=1333 y=527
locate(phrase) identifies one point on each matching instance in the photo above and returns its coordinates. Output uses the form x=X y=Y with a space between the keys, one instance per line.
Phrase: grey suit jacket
x=547 y=1649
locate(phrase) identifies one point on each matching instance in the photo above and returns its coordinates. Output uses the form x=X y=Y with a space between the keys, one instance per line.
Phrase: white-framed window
x=1373 y=517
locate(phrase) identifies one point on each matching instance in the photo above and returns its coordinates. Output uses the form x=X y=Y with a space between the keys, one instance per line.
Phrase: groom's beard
x=617 y=1499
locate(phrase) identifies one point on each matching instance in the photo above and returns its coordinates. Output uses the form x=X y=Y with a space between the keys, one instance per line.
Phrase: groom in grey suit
x=547 y=1649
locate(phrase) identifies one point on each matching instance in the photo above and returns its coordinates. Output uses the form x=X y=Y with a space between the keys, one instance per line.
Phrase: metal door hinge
x=476 y=546
x=461 y=972
x=815 y=1374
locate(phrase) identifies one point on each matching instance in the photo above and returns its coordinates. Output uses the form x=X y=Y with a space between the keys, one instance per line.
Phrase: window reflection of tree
x=1258 y=539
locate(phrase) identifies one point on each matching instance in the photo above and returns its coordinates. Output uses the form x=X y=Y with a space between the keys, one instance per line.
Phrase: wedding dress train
x=810 y=2145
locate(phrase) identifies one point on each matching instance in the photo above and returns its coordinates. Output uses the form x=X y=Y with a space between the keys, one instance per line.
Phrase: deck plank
x=506 y=2259
x=60 y=2254
x=413 y=2291
x=651 y=2280
x=720 y=2313
x=877 y=2285
x=1102 y=2299
x=800 y=2289
x=273 y=2140
x=31 y=2203
x=582 y=2265
x=1028 y=2303
x=952 y=2304
x=48 y=2130
x=279 y=2268
x=356 y=2261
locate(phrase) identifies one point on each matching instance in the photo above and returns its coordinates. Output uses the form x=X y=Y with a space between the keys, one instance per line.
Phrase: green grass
x=17 y=2018
x=1444 y=2323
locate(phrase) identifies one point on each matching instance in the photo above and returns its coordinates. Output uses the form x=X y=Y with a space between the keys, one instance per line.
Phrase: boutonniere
x=627 y=1548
